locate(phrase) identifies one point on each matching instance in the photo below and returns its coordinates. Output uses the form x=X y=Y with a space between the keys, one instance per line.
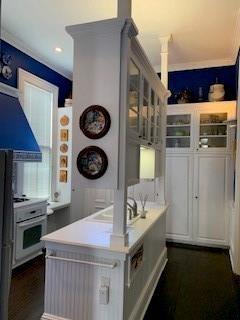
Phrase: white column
x=164 y=59
x=124 y=8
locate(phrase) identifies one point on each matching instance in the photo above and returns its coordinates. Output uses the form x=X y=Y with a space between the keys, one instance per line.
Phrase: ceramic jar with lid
x=216 y=92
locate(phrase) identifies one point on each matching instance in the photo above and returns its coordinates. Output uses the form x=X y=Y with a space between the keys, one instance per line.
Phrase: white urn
x=216 y=92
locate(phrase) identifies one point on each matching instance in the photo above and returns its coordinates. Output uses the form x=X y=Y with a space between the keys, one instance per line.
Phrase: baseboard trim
x=47 y=316
x=231 y=260
x=161 y=263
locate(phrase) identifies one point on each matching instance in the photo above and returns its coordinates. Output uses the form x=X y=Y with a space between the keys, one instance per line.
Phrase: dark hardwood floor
x=197 y=284
x=27 y=291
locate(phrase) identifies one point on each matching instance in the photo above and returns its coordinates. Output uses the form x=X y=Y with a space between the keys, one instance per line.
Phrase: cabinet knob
x=196 y=197
x=197 y=149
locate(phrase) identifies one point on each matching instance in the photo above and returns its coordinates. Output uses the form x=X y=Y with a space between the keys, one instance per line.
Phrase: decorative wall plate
x=7 y=59
x=63 y=147
x=7 y=72
x=64 y=120
x=63 y=176
x=92 y=162
x=64 y=134
x=63 y=161
x=95 y=122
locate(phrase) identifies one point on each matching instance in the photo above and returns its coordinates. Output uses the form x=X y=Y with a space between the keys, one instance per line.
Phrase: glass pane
x=38 y=107
x=213 y=130
x=213 y=142
x=183 y=142
x=158 y=135
x=178 y=131
x=144 y=128
x=134 y=81
x=178 y=119
x=152 y=106
x=209 y=118
x=145 y=89
x=32 y=236
x=152 y=132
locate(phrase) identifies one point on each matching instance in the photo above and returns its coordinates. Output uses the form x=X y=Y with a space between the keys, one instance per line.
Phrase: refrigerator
x=6 y=229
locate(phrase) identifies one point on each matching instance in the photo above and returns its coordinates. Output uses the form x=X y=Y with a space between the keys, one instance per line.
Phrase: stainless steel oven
x=31 y=225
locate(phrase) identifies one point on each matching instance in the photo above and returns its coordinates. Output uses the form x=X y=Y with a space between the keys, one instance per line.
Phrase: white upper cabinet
x=201 y=127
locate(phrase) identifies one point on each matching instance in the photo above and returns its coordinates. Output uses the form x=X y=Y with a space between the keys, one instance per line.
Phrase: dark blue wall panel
x=24 y=61
x=193 y=79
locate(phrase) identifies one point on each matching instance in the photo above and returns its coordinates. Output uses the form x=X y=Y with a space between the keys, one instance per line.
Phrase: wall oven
x=30 y=226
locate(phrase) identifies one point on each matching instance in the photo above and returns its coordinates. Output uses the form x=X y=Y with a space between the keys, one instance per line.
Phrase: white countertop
x=56 y=205
x=94 y=234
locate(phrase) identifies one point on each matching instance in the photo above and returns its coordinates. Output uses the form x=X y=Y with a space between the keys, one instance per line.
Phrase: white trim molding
x=10 y=91
x=198 y=65
x=236 y=40
x=47 y=316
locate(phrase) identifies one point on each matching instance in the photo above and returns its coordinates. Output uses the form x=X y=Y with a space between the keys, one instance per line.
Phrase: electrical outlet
x=104 y=295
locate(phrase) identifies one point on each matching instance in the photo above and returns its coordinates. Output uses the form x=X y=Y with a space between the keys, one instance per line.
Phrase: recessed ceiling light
x=58 y=49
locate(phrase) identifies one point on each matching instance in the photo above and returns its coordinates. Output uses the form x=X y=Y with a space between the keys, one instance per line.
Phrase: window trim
x=24 y=76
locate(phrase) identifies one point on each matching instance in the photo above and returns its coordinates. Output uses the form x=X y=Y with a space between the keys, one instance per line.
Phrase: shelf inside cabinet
x=213 y=124
x=214 y=136
x=178 y=125
x=176 y=137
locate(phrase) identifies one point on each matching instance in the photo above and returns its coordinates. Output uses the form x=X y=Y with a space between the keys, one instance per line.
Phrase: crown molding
x=236 y=39
x=20 y=45
x=10 y=91
x=197 y=65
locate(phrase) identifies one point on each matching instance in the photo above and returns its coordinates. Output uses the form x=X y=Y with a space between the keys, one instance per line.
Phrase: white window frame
x=24 y=76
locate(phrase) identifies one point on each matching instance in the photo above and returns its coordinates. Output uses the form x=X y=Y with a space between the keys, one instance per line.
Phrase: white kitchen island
x=88 y=278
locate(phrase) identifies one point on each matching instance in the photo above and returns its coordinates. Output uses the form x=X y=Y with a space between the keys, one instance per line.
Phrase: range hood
x=15 y=131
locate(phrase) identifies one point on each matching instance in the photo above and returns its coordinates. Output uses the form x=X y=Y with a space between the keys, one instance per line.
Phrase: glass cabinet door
x=158 y=122
x=178 y=133
x=152 y=116
x=134 y=93
x=213 y=130
x=145 y=110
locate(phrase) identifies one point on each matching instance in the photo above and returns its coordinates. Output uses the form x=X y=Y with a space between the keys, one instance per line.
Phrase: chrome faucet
x=132 y=208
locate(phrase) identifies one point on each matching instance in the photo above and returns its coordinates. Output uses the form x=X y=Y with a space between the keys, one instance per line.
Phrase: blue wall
x=24 y=61
x=193 y=79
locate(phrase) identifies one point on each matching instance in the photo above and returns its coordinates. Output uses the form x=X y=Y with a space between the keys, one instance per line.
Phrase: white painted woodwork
x=200 y=182
x=164 y=59
x=235 y=210
x=72 y=288
x=211 y=220
x=124 y=8
x=179 y=177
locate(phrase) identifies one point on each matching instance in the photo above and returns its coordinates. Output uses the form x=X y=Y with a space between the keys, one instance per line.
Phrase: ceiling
x=205 y=32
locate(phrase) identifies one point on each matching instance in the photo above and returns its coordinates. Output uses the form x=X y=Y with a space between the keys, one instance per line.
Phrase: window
x=39 y=101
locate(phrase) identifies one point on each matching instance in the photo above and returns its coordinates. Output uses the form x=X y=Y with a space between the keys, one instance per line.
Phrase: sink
x=106 y=216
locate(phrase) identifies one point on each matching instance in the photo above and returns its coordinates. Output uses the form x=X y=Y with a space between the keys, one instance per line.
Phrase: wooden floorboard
x=197 y=284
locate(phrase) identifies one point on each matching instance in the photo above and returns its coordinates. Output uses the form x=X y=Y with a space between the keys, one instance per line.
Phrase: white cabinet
x=211 y=198
x=179 y=177
x=199 y=174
